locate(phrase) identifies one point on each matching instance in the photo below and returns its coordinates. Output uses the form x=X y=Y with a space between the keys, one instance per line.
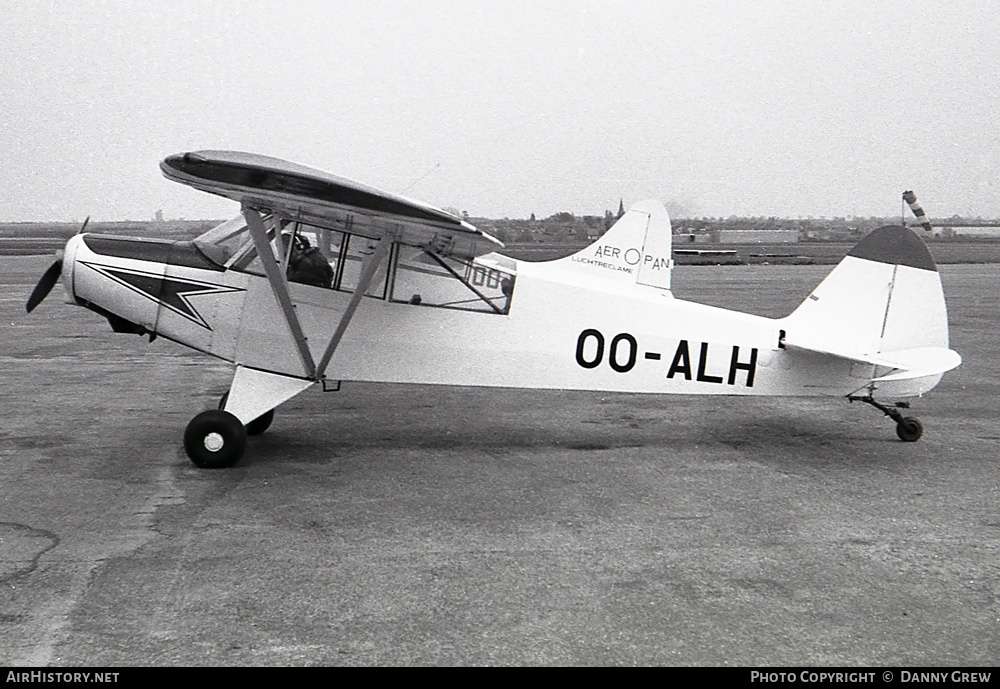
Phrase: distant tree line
x=565 y=227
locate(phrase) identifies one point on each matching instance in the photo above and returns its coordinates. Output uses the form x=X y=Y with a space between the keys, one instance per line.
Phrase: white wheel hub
x=214 y=442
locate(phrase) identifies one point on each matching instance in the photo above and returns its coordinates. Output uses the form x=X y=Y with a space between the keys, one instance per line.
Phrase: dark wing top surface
x=325 y=200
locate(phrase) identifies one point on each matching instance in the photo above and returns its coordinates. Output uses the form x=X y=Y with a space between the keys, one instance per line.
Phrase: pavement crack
x=22 y=547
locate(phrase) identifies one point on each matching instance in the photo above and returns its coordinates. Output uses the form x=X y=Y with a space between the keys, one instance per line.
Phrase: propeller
x=45 y=285
x=49 y=278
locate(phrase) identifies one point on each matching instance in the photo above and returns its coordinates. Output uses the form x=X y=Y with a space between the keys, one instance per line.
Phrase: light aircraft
x=419 y=295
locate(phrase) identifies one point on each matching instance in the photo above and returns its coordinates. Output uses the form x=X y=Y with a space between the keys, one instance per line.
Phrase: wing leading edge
x=324 y=200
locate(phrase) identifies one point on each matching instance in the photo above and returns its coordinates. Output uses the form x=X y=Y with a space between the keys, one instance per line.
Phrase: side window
x=309 y=258
x=328 y=243
x=408 y=274
x=447 y=282
x=351 y=256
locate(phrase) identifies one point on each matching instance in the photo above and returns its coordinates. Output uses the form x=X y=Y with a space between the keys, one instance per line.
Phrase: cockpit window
x=409 y=274
x=431 y=280
x=350 y=259
x=222 y=241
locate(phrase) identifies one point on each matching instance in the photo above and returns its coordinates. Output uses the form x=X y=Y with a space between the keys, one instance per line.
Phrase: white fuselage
x=563 y=330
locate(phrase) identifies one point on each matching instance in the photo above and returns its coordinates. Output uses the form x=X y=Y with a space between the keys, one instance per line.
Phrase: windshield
x=222 y=241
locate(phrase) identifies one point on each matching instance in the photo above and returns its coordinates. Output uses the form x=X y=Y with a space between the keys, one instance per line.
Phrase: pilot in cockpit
x=306 y=264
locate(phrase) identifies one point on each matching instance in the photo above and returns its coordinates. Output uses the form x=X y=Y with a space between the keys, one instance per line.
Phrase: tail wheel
x=258 y=425
x=215 y=439
x=909 y=429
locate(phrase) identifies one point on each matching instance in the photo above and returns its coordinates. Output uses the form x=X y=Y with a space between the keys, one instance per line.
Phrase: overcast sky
x=508 y=108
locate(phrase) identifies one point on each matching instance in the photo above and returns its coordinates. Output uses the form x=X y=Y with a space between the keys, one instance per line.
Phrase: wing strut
x=279 y=285
x=367 y=273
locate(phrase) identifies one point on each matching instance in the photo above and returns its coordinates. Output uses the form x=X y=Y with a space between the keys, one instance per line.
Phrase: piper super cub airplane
x=418 y=295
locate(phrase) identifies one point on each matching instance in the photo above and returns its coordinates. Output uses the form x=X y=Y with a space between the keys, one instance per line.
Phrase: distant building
x=770 y=236
x=692 y=236
x=965 y=230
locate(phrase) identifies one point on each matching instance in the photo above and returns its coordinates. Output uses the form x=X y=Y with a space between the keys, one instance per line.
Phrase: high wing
x=303 y=194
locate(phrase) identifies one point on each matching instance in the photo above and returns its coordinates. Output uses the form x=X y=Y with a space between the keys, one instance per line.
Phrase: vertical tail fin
x=884 y=296
x=636 y=249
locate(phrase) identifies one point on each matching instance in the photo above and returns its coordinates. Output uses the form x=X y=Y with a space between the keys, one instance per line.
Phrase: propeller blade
x=44 y=286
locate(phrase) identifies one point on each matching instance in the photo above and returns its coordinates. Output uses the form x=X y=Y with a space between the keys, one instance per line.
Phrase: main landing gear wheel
x=215 y=439
x=909 y=429
x=258 y=425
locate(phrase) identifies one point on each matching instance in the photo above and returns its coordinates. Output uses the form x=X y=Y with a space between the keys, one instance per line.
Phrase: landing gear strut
x=258 y=425
x=908 y=428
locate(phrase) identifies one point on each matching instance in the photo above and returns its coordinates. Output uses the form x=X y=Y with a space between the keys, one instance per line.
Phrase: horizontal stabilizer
x=905 y=364
x=919 y=362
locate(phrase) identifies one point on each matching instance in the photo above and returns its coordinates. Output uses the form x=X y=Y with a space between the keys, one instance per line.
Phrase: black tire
x=261 y=423
x=258 y=425
x=215 y=439
x=909 y=429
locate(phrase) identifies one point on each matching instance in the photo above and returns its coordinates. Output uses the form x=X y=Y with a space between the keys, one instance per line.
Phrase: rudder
x=885 y=295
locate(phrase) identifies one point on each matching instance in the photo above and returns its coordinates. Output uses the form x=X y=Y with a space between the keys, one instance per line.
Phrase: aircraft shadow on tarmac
x=502 y=422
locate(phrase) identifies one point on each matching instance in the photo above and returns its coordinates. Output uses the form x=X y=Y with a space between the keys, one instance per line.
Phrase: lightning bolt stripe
x=171 y=292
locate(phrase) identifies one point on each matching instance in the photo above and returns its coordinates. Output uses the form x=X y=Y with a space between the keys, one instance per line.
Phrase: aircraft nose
x=61 y=268
x=69 y=264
